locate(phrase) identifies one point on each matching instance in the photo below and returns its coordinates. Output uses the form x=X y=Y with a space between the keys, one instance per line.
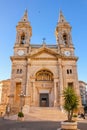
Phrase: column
x=28 y=84
x=61 y=86
x=55 y=92
x=55 y=99
x=34 y=92
x=27 y=93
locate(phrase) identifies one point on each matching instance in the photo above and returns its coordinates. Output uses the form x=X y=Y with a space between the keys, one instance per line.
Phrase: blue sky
x=43 y=16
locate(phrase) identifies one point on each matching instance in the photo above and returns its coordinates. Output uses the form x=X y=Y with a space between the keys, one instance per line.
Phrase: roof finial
x=44 y=43
x=25 y=17
x=44 y=40
x=61 y=17
x=26 y=11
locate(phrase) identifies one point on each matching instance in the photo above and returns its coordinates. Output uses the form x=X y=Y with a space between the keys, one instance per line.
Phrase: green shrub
x=20 y=114
x=74 y=115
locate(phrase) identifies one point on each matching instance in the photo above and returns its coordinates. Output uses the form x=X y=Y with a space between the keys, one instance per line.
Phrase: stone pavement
x=35 y=125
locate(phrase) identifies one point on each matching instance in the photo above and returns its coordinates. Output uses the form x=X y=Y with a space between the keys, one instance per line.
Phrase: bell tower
x=19 y=61
x=63 y=36
x=23 y=36
x=24 y=30
x=65 y=46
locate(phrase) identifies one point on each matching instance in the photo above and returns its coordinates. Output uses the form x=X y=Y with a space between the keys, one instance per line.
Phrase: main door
x=44 y=100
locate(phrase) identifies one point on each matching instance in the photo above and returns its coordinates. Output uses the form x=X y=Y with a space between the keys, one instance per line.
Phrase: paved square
x=35 y=125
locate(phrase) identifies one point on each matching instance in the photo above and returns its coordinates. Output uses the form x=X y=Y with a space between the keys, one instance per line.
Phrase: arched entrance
x=44 y=85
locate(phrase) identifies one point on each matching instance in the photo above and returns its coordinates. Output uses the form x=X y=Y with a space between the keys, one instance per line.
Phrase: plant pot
x=75 y=118
x=20 y=118
x=69 y=125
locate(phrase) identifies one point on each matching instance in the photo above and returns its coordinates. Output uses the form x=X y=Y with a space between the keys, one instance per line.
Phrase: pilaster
x=34 y=92
x=56 y=92
x=61 y=85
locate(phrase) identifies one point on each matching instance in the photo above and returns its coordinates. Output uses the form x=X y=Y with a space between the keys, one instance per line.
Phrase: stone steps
x=43 y=114
x=51 y=114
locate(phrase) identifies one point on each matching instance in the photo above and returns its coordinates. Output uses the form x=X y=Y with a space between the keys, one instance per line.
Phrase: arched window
x=70 y=71
x=19 y=71
x=44 y=75
x=67 y=71
x=65 y=39
x=23 y=38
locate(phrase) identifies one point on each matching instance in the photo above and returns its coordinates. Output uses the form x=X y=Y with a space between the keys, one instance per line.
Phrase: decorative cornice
x=69 y=58
x=18 y=58
x=33 y=56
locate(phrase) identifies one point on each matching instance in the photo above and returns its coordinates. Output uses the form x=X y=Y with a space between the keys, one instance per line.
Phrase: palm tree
x=71 y=101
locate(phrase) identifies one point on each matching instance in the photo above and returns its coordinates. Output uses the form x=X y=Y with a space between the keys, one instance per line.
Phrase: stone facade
x=41 y=72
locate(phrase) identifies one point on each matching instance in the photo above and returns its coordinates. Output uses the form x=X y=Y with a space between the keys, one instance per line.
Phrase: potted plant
x=71 y=103
x=74 y=118
x=20 y=116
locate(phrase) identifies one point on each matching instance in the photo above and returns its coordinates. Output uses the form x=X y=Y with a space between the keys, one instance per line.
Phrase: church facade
x=41 y=72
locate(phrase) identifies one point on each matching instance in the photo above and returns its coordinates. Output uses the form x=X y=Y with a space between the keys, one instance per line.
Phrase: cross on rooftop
x=44 y=40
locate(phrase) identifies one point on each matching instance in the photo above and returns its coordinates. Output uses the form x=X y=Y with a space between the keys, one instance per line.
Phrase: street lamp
x=8 y=109
x=21 y=99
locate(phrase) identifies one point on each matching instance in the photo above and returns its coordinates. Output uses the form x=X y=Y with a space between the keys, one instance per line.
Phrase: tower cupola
x=24 y=30
x=63 y=31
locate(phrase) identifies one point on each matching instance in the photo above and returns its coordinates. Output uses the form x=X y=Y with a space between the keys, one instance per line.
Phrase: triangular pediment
x=44 y=55
x=44 y=52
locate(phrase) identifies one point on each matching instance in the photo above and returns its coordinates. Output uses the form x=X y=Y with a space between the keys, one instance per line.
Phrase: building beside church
x=83 y=92
x=41 y=72
x=4 y=93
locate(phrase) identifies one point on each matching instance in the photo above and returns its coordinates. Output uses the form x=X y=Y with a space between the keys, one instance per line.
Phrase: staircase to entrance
x=42 y=114
x=45 y=114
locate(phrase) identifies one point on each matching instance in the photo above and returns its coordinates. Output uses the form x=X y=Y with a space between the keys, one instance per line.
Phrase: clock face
x=67 y=53
x=20 y=52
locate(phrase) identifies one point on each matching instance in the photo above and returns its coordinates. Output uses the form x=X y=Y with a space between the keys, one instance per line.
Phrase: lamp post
x=21 y=100
x=8 y=109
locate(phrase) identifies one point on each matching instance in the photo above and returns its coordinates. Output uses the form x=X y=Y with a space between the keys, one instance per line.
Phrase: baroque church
x=41 y=72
